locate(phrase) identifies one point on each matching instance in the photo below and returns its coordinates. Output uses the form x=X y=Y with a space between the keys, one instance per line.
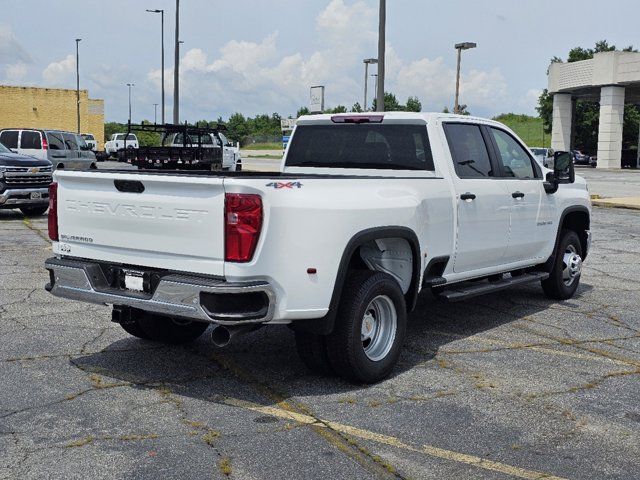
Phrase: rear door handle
x=468 y=196
x=517 y=195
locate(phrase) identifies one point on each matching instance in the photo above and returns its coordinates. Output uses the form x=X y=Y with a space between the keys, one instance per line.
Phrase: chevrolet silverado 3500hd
x=367 y=211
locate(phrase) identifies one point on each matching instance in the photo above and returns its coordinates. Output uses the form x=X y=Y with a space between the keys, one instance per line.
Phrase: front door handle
x=467 y=196
x=517 y=195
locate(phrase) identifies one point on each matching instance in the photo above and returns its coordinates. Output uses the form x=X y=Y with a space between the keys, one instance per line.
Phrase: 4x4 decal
x=280 y=185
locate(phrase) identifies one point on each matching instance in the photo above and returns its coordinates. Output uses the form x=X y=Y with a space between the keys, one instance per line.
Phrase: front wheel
x=34 y=211
x=370 y=327
x=565 y=276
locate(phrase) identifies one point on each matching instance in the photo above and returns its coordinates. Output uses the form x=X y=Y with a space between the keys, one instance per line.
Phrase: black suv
x=24 y=182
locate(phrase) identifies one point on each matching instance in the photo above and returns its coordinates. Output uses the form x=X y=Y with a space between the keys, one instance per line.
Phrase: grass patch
x=263 y=146
x=529 y=129
x=224 y=465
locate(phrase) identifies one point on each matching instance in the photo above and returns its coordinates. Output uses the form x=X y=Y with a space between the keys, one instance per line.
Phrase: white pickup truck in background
x=117 y=143
x=231 y=158
x=367 y=211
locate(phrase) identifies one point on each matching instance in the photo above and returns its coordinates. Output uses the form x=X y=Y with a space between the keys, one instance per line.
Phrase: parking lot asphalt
x=510 y=385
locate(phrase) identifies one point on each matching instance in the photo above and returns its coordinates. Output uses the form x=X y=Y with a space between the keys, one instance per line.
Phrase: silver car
x=63 y=149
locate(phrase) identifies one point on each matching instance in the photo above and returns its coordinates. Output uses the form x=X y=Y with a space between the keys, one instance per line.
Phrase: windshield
x=375 y=146
x=4 y=149
x=88 y=137
x=539 y=151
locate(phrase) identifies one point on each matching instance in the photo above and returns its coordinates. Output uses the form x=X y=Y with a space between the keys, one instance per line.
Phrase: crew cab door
x=483 y=201
x=531 y=210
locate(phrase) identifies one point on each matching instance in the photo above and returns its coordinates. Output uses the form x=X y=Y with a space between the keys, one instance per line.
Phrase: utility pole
x=130 y=85
x=176 y=70
x=155 y=114
x=381 y=56
x=78 y=40
x=367 y=62
x=161 y=12
x=459 y=47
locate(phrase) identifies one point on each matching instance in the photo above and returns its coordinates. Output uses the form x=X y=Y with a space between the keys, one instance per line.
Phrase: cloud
x=15 y=72
x=60 y=73
x=11 y=51
x=255 y=77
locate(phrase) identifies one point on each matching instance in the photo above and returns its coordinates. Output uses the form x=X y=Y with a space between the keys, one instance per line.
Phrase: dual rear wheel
x=369 y=331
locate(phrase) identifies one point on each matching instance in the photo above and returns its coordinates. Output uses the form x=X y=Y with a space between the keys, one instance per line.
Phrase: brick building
x=55 y=108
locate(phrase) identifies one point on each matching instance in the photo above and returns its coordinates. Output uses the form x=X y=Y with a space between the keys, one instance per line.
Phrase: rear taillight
x=45 y=144
x=53 y=212
x=242 y=225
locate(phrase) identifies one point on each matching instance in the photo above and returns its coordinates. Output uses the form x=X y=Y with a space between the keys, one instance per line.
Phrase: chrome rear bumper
x=175 y=295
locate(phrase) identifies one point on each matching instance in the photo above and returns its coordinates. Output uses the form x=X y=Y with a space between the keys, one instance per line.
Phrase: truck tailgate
x=175 y=223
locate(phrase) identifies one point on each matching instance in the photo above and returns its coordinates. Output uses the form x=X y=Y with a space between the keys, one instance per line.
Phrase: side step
x=466 y=290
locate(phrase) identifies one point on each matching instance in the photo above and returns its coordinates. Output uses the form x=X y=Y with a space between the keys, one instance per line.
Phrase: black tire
x=169 y=330
x=34 y=211
x=312 y=350
x=344 y=345
x=555 y=287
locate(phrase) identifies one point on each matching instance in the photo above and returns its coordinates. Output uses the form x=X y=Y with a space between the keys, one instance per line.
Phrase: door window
x=9 y=138
x=55 y=140
x=70 y=141
x=30 y=140
x=468 y=150
x=516 y=162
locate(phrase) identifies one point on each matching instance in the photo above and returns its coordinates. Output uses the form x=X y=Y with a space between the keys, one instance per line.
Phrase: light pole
x=375 y=75
x=381 y=56
x=460 y=47
x=367 y=62
x=130 y=85
x=176 y=70
x=161 y=12
x=155 y=114
x=78 y=40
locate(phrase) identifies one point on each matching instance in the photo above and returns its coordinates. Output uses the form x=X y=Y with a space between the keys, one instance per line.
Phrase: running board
x=453 y=294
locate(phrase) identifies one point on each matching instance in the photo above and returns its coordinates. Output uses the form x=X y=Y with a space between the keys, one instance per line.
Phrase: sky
x=253 y=56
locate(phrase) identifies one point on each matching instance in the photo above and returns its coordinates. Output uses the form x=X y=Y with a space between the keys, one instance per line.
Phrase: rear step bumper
x=197 y=298
x=458 y=293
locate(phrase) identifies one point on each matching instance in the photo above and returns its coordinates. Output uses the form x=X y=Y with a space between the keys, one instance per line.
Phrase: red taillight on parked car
x=242 y=225
x=53 y=212
x=45 y=145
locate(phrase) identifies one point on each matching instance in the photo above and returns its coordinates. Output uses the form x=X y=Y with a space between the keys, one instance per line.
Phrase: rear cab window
x=365 y=146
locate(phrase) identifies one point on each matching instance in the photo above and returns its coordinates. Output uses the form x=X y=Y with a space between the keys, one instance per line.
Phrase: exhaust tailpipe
x=221 y=336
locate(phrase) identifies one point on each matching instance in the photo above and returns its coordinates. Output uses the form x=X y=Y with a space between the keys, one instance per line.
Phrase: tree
x=587 y=113
x=391 y=104
x=413 y=105
x=237 y=128
x=302 y=111
x=445 y=110
x=357 y=108
x=338 y=109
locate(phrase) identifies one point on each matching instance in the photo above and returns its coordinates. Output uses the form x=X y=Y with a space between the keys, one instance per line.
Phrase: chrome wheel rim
x=572 y=265
x=379 y=325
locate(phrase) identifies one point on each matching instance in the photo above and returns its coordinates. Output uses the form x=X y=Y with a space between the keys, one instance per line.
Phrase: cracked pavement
x=510 y=385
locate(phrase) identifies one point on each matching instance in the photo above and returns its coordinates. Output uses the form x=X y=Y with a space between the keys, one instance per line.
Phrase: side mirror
x=563 y=169
x=563 y=172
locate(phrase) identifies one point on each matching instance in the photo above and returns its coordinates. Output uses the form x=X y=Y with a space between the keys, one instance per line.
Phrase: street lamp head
x=155 y=11
x=78 y=39
x=465 y=45
x=371 y=61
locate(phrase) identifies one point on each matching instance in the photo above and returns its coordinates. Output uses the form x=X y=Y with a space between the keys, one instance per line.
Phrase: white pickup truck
x=117 y=143
x=367 y=211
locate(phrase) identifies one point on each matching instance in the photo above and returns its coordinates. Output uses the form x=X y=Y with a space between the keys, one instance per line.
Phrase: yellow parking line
x=535 y=348
x=432 y=451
